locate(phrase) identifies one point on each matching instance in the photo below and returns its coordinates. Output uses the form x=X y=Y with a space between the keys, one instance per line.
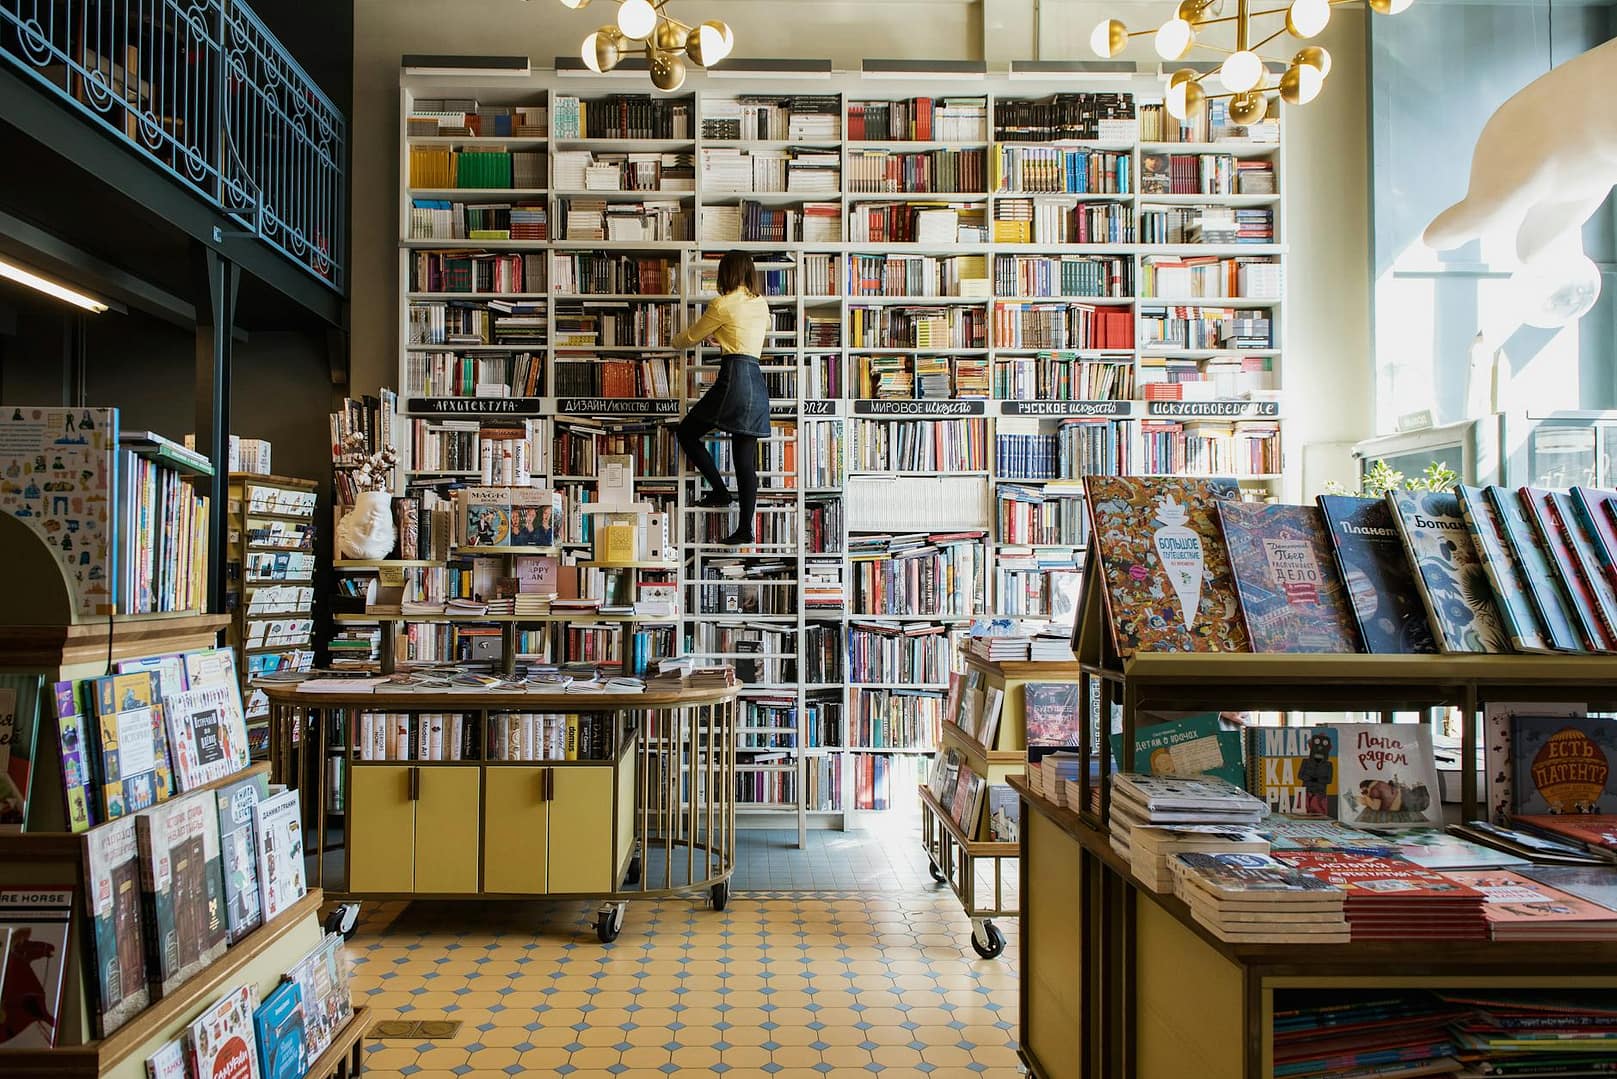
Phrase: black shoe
x=739 y=538
x=713 y=500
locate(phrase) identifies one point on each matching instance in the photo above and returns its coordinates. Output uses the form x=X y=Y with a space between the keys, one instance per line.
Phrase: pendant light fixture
x=1246 y=81
x=668 y=44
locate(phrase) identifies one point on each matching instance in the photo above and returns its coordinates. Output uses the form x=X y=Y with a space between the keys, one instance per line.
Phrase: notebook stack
x=1140 y=800
x=1393 y=899
x=1152 y=848
x=1252 y=898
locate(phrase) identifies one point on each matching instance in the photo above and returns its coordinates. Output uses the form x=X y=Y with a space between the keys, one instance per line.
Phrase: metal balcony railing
x=205 y=92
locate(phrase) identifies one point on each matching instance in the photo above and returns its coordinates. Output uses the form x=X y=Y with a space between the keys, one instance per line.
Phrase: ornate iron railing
x=204 y=91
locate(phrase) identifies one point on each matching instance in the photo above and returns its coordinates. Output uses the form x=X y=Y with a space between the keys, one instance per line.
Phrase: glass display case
x=1513 y=449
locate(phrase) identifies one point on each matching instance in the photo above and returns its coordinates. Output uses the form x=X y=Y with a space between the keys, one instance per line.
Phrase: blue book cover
x=1564 y=764
x=1505 y=574
x=1459 y=600
x=279 y=1025
x=1377 y=573
x=1553 y=604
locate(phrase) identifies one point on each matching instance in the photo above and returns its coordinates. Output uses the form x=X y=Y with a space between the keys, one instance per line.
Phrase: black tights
x=743 y=451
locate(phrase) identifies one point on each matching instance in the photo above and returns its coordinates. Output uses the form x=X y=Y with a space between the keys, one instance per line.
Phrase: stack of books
x=1052 y=644
x=1140 y=800
x=1254 y=898
x=1000 y=649
x=1152 y=848
x=1523 y=908
x=1393 y=899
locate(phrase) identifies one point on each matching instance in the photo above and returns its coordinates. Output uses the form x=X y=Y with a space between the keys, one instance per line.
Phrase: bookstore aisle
x=790 y=985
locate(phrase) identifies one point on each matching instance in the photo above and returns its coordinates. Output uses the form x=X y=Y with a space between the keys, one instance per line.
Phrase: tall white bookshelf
x=815 y=371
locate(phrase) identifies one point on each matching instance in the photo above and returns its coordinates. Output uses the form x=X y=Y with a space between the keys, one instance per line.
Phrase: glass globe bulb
x=1240 y=71
x=1184 y=94
x=636 y=18
x=1108 y=38
x=1173 y=39
x=726 y=40
x=1306 y=18
x=1301 y=84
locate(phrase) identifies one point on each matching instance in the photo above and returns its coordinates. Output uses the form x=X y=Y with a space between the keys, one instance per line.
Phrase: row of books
x=623 y=222
x=1064 y=117
x=485 y=168
x=919 y=119
x=444 y=219
x=481 y=374
x=940 y=574
x=895 y=719
x=1243 y=448
x=963 y=794
x=943 y=224
x=1204 y=225
x=1063 y=326
x=1040 y=170
x=623 y=116
x=490 y=322
x=1205 y=174
x=477 y=271
x=914 y=652
x=913 y=275
x=952 y=445
x=447 y=117
x=795 y=118
x=923 y=378
x=582 y=170
x=1062 y=376
x=755 y=222
x=1066 y=275
x=798 y=170
x=921 y=172
x=1078 y=447
x=1043 y=515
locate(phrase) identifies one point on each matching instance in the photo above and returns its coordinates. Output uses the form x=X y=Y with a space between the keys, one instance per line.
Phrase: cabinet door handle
x=415 y=784
x=550 y=784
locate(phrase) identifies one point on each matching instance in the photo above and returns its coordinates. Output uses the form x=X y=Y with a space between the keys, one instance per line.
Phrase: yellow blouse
x=736 y=321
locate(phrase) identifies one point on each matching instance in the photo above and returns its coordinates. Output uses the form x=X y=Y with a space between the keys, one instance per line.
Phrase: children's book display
x=34 y=925
x=1187 y=567
x=182 y=893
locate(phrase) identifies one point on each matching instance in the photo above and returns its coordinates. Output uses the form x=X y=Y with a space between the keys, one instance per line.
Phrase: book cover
x=1004 y=814
x=1433 y=848
x=19 y=730
x=169 y=1062
x=238 y=855
x=963 y=808
x=1168 y=581
x=1250 y=877
x=1517 y=899
x=1593 y=883
x=168 y=672
x=1294 y=769
x=1550 y=600
x=322 y=980
x=993 y=705
x=207 y=735
x=1182 y=792
x=1050 y=710
x=59 y=466
x=1504 y=570
x=1539 y=506
x=1498 y=721
x=116 y=931
x=537 y=575
x=485 y=517
x=278 y=843
x=132 y=745
x=1387 y=774
x=1376 y=572
x=534 y=513
x=78 y=789
x=1448 y=572
x=1290 y=589
x=1156 y=174
x=1194 y=745
x=1563 y=764
x=1377 y=878
x=1598 y=511
x=278 y=1022
x=221 y=1038
x=210 y=667
x=1312 y=833
x=1594 y=831
x=181 y=889
x=35 y=922
x=1589 y=560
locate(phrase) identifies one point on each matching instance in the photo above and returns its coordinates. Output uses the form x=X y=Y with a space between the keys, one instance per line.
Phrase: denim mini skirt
x=738 y=401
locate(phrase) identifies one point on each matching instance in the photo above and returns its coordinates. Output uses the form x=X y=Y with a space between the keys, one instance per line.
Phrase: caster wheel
x=987 y=941
x=609 y=923
x=632 y=877
x=937 y=874
x=343 y=919
x=719 y=895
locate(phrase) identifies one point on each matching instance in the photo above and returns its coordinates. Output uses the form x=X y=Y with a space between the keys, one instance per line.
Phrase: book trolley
x=954 y=853
x=1158 y=996
x=48 y=854
x=654 y=817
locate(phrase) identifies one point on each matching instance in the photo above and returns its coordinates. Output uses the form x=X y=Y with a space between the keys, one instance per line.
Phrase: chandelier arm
x=1282 y=32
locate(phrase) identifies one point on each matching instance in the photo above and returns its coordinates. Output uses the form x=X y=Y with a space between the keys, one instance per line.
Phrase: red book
x=1372 y=881
x=1597 y=831
x=1558 y=545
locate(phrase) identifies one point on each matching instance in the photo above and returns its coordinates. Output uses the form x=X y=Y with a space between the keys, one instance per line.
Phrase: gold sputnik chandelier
x=1244 y=75
x=668 y=43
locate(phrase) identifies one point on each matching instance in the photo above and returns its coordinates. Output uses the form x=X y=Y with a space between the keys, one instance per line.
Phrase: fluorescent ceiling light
x=23 y=276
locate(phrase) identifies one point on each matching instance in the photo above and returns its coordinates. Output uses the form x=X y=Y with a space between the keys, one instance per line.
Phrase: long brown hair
x=735 y=271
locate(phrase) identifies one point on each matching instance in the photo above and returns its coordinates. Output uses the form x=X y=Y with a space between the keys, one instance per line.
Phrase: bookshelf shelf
x=476 y=140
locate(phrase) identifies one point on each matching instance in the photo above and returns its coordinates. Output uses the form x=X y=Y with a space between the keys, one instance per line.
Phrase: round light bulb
x=586 y=51
x=601 y=50
x=1108 y=38
x=706 y=45
x=575 y=4
x=1315 y=56
x=1305 y=18
x=1390 y=7
x=1184 y=94
x=636 y=18
x=1173 y=39
x=1301 y=84
x=1240 y=71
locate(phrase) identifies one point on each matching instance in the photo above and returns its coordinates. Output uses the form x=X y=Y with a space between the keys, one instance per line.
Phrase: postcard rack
x=654 y=816
x=1159 y=996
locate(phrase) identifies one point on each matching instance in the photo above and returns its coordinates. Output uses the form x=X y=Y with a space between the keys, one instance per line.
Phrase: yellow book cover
x=572 y=737
x=617 y=543
x=1013 y=232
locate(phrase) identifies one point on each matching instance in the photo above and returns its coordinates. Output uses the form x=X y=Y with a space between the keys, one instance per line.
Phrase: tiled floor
x=789 y=985
x=865 y=861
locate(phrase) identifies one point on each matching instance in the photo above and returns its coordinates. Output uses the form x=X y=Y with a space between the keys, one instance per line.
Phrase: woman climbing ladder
x=738 y=401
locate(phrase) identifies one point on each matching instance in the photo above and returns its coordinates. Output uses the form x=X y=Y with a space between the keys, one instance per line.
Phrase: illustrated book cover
x=1588 y=558
x=1050 y=710
x=207 y=734
x=1538 y=505
x=1597 y=884
x=238 y=853
x=485 y=517
x=1598 y=509
x=1563 y=764
x=1504 y=570
x=1524 y=906
x=1194 y=745
x=278 y=842
x=1294 y=769
x=117 y=931
x=1250 y=877
x=1433 y=848
x=1290 y=589
x=20 y=705
x=1387 y=774
x=78 y=788
x=35 y=923
x=1378 y=879
x=181 y=889
x=1499 y=763
x=169 y=1062
x=322 y=980
x=1554 y=605
x=167 y=671
x=1595 y=832
x=1004 y=814
x=1448 y=572
x=1168 y=586
x=1376 y=572
x=278 y=1022
x=132 y=758
x=221 y=1039
x=208 y=667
